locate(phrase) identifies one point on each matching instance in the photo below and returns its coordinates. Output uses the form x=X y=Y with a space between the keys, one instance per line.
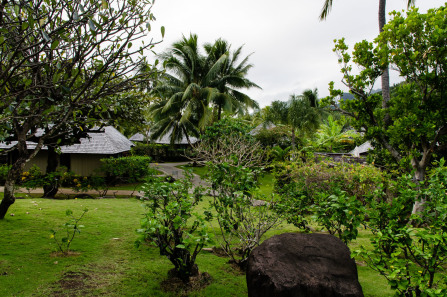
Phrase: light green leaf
x=162 y=31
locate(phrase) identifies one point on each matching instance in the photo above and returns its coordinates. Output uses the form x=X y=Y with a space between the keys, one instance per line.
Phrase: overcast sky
x=292 y=49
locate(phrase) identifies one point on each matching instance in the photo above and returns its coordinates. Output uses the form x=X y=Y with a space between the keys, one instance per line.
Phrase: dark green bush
x=126 y=169
x=4 y=173
x=159 y=152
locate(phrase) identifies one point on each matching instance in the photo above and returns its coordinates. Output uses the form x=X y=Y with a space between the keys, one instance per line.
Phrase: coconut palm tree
x=194 y=81
x=382 y=21
x=184 y=91
x=300 y=113
x=230 y=78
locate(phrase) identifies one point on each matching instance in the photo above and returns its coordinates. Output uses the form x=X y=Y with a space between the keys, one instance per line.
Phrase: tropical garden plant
x=70 y=229
x=195 y=81
x=171 y=224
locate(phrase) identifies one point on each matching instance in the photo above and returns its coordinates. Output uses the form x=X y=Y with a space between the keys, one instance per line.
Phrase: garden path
x=166 y=168
x=172 y=170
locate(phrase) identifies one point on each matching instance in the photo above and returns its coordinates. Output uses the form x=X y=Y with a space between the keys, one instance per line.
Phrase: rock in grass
x=296 y=265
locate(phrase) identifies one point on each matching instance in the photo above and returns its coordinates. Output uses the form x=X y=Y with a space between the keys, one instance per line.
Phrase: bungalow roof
x=107 y=141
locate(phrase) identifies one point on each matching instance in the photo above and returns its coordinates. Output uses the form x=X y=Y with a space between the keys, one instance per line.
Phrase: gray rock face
x=302 y=265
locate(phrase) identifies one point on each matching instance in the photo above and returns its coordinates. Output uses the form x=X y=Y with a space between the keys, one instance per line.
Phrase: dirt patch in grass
x=72 y=283
x=94 y=278
x=177 y=286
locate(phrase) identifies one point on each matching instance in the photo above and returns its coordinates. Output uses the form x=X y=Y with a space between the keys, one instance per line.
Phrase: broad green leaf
x=54 y=44
x=162 y=31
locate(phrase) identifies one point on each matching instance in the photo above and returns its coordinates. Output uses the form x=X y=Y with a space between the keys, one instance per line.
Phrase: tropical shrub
x=339 y=214
x=171 y=224
x=328 y=177
x=242 y=221
x=157 y=152
x=126 y=169
x=277 y=136
x=413 y=260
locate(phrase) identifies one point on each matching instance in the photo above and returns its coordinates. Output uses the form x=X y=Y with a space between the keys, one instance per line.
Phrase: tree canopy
x=63 y=64
x=415 y=45
x=197 y=83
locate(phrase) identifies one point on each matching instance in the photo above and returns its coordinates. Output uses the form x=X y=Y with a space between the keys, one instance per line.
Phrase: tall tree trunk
x=419 y=176
x=51 y=189
x=386 y=73
x=13 y=175
x=219 y=113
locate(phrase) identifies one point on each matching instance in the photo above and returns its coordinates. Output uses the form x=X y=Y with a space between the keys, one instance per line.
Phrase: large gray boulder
x=298 y=265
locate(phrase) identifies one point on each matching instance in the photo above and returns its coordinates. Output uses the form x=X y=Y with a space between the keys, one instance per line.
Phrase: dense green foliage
x=159 y=152
x=172 y=225
x=126 y=169
x=300 y=114
x=4 y=173
x=411 y=259
x=411 y=126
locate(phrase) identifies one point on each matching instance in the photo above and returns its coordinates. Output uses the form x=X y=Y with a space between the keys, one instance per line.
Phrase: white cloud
x=292 y=49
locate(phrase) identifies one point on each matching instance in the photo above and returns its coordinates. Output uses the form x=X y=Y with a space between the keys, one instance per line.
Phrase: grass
x=108 y=262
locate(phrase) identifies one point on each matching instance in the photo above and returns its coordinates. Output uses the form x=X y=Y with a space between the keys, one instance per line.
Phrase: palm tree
x=230 y=78
x=193 y=81
x=300 y=113
x=382 y=21
x=185 y=94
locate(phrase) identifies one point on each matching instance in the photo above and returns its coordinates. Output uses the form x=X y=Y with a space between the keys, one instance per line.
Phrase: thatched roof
x=139 y=137
x=106 y=141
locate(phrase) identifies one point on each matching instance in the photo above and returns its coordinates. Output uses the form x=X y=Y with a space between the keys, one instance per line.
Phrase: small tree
x=242 y=218
x=234 y=159
x=413 y=260
x=64 y=63
x=411 y=127
x=171 y=225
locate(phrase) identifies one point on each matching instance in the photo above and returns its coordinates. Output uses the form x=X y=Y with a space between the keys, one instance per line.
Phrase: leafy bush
x=171 y=225
x=126 y=169
x=34 y=178
x=410 y=258
x=312 y=178
x=4 y=169
x=159 y=152
x=241 y=223
x=277 y=136
x=339 y=214
x=83 y=183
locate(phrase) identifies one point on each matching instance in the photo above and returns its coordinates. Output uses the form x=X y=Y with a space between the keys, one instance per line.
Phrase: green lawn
x=108 y=263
